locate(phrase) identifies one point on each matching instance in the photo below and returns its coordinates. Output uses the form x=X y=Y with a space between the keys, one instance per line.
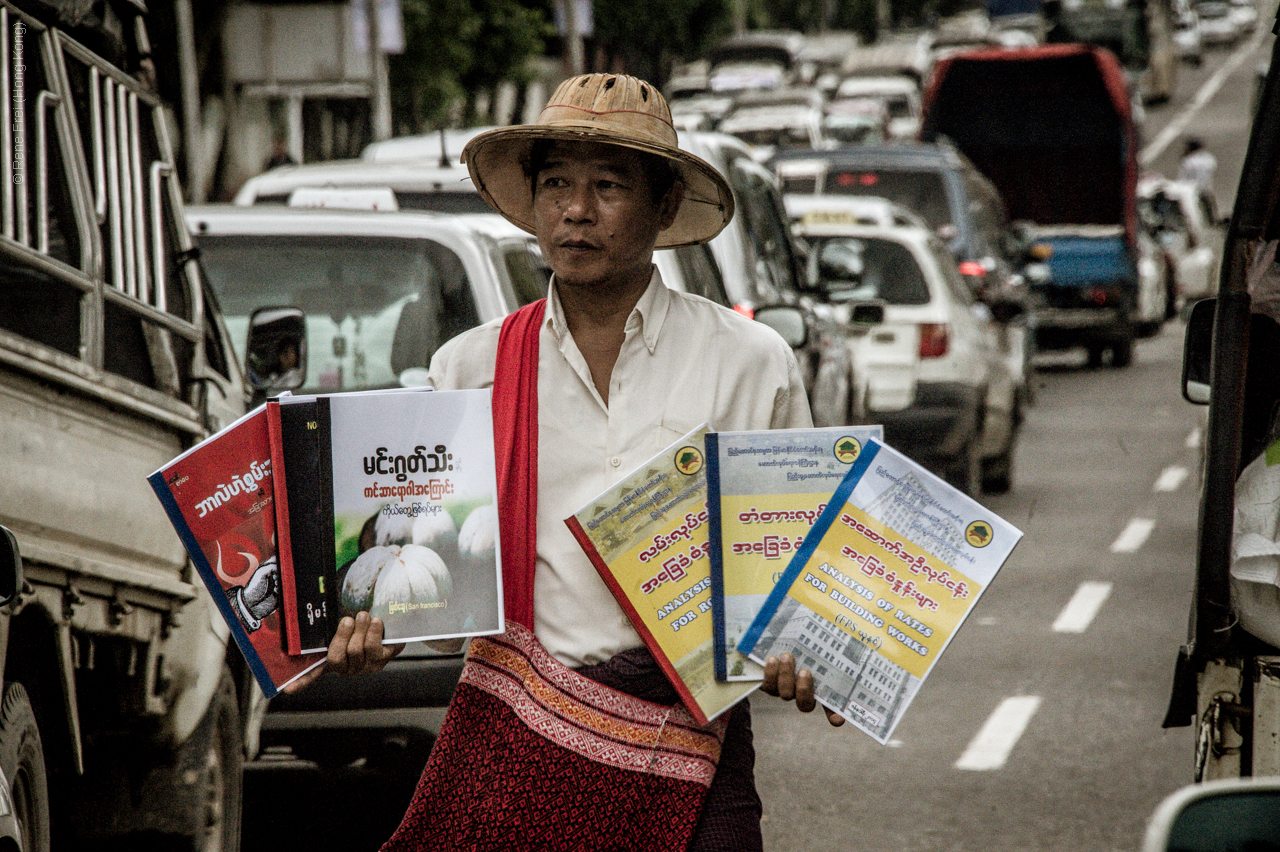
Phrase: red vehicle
x=1052 y=128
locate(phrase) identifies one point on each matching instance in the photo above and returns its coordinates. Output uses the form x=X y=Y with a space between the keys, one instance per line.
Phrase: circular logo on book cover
x=978 y=534
x=847 y=449
x=688 y=460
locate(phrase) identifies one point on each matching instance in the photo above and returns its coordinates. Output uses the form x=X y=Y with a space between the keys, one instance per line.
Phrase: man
x=622 y=367
x=1198 y=165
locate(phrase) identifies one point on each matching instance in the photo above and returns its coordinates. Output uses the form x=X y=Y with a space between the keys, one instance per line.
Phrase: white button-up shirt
x=684 y=361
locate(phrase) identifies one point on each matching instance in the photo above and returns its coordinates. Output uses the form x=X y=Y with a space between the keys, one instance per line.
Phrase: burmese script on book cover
x=648 y=538
x=878 y=589
x=219 y=497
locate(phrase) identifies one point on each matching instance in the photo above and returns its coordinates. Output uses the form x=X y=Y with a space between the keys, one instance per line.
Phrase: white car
x=1245 y=15
x=1182 y=219
x=381 y=291
x=769 y=128
x=900 y=94
x=1217 y=24
x=940 y=374
x=443 y=147
x=416 y=184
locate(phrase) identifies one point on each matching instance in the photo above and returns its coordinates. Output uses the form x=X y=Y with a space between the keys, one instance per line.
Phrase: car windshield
x=921 y=191
x=375 y=306
x=857 y=269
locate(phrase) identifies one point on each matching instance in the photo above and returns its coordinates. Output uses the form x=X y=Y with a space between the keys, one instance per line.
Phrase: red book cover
x=219 y=496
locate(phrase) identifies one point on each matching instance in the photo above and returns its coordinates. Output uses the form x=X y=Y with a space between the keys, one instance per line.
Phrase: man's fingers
x=770 y=684
x=786 y=677
x=805 y=702
x=835 y=718
x=305 y=680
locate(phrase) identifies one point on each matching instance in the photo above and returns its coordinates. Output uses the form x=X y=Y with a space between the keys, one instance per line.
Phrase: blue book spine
x=720 y=648
x=801 y=557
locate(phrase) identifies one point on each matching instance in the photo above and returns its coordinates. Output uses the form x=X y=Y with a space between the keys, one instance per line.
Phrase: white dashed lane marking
x=1079 y=612
x=990 y=748
x=1170 y=478
x=1133 y=536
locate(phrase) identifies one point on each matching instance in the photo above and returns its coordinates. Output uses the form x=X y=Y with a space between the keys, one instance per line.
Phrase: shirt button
x=615 y=461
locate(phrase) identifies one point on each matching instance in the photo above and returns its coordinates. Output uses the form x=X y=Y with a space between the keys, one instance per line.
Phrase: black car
x=935 y=181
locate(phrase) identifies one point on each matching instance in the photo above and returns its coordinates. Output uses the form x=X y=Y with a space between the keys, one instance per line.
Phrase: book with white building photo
x=891 y=569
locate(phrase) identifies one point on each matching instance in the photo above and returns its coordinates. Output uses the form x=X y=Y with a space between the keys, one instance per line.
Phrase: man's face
x=595 y=214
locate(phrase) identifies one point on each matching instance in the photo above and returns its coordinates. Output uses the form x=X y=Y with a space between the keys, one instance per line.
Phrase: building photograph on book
x=399 y=516
x=219 y=497
x=766 y=489
x=876 y=592
x=648 y=537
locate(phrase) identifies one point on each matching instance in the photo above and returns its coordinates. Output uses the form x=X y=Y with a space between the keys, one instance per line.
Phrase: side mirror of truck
x=10 y=566
x=1217 y=816
x=1197 y=346
x=276 y=352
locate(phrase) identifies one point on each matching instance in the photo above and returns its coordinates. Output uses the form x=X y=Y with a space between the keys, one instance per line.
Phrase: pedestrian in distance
x=587 y=385
x=1200 y=166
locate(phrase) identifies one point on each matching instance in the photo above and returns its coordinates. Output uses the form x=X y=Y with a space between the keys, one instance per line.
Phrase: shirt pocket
x=671 y=429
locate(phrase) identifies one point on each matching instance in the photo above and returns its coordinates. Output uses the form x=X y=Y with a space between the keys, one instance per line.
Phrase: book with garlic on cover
x=893 y=566
x=397 y=517
x=647 y=536
x=219 y=497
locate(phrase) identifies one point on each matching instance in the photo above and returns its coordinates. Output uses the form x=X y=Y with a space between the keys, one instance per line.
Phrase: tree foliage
x=456 y=51
x=646 y=37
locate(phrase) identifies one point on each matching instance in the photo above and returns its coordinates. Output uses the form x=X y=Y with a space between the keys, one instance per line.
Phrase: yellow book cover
x=878 y=589
x=766 y=489
x=648 y=538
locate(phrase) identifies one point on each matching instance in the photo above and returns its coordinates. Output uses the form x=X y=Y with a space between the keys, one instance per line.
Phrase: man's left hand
x=782 y=679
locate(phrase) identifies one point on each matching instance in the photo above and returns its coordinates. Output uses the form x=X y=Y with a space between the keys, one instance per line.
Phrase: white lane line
x=1170 y=478
x=1078 y=614
x=990 y=747
x=1133 y=536
x=1194 y=438
x=1206 y=92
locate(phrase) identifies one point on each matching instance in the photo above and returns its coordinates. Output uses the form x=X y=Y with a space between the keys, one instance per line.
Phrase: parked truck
x=1227 y=679
x=122 y=713
x=1052 y=128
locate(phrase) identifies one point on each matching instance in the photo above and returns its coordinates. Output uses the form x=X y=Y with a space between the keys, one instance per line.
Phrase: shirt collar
x=648 y=315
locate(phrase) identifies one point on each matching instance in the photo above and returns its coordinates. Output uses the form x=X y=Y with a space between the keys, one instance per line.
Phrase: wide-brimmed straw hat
x=614 y=109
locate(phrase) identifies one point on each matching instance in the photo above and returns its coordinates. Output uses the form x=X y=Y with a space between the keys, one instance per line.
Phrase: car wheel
x=22 y=759
x=1122 y=353
x=965 y=470
x=214 y=758
x=997 y=472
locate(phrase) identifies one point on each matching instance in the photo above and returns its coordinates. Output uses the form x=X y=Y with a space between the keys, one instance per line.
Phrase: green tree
x=456 y=51
x=647 y=37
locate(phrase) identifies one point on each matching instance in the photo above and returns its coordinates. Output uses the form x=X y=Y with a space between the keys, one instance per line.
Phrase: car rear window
x=375 y=306
x=921 y=191
x=861 y=268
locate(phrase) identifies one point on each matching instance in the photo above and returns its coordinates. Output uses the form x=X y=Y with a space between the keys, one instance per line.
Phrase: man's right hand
x=356 y=648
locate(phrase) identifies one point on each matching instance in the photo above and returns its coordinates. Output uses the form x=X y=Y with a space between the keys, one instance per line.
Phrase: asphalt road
x=1064 y=666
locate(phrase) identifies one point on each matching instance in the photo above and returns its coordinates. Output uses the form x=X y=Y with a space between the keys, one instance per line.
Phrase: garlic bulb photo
x=415 y=575
x=479 y=534
x=392 y=529
x=437 y=531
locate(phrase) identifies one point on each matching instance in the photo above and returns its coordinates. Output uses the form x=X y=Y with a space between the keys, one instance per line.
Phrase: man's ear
x=670 y=205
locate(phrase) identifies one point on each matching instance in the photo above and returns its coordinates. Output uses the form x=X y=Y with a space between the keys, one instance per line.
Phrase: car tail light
x=935 y=338
x=746 y=310
x=973 y=269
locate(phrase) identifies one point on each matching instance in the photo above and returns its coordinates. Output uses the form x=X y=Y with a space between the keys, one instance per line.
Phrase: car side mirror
x=1217 y=816
x=788 y=321
x=1197 y=347
x=276 y=352
x=11 y=579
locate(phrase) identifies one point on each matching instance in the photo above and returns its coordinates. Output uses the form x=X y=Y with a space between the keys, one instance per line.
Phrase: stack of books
x=310 y=508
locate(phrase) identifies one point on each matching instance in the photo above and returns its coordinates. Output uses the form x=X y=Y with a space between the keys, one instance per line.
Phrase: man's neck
x=597 y=319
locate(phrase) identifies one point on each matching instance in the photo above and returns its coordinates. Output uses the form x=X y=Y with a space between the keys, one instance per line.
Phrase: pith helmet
x=614 y=109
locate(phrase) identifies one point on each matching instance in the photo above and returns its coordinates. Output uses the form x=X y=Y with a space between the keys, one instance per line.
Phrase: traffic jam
x=1031 y=247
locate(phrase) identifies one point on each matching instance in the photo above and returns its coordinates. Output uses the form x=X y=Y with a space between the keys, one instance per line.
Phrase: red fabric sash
x=515 y=448
x=533 y=755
